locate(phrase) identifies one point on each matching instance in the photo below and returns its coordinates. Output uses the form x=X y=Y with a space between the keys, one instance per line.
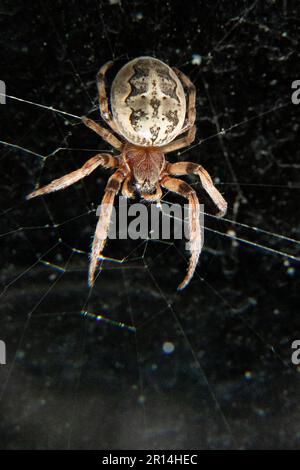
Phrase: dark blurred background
x=148 y=367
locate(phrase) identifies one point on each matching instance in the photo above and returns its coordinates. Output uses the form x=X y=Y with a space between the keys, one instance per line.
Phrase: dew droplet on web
x=196 y=59
x=168 y=347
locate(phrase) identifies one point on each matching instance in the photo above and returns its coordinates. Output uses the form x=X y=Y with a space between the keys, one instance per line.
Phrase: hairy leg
x=180 y=143
x=128 y=188
x=102 y=228
x=186 y=168
x=195 y=241
x=104 y=133
x=191 y=102
x=105 y=160
x=103 y=100
x=191 y=117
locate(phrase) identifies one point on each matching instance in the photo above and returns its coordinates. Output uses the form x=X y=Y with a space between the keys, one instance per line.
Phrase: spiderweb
x=132 y=363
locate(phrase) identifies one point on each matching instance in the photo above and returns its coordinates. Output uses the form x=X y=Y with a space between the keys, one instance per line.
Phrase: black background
x=73 y=382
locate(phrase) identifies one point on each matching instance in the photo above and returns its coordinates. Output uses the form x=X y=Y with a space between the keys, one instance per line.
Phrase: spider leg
x=186 y=168
x=102 y=228
x=106 y=160
x=191 y=117
x=180 y=143
x=195 y=241
x=191 y=105
x=104 y=133
x=103 y=100
x=128 y=188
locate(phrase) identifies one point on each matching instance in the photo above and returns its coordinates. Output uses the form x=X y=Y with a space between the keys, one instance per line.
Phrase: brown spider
x=148 y=111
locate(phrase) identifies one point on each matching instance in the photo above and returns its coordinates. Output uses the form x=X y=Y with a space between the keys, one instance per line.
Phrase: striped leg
x=103 y=100
x=180 y=143
x=105 y=160
x=191 y=104
x=128 y=188
x=195 y=241
x=104 y=133
x=102 y=228
x=186 y=168
x=190 y=120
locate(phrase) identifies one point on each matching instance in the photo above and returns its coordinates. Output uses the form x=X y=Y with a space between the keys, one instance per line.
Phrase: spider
x=148 y=110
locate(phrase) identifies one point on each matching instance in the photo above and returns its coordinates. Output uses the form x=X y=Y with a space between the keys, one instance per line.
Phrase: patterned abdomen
x=148 y=102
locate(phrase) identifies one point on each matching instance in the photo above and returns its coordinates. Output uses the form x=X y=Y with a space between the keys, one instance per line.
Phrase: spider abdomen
x=148 y=102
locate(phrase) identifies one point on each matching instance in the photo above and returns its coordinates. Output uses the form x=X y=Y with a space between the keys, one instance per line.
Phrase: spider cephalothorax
x=146 y=165
x=148 y=112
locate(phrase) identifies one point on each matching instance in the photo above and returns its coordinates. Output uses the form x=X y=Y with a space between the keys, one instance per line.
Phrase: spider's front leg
x=112 y=188
x=186 y=168
x=195 y=240
x=105 y=160
x=128 y=188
